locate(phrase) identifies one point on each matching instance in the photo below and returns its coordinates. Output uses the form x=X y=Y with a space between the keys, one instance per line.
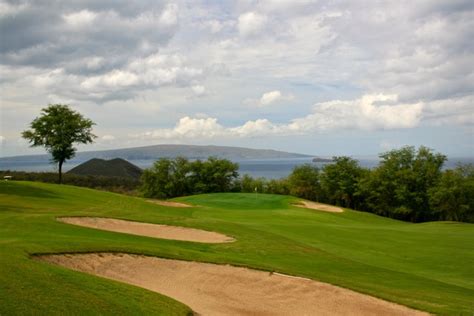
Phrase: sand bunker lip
x=148 y=230
x=169 y=203
x=319 y=206
x=211 y=289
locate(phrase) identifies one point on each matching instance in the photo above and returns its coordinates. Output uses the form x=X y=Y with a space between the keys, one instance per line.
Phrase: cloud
x=251 y=23
x=198 y=90
x=370 y=112
x=188 y=127
x=80 y=19
x=2 y=140
x=154 y=60
x=108 y=138
x=268 y=98
x=8 y=9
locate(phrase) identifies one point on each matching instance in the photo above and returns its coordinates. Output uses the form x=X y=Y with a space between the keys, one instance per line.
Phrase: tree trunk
x=60 y=171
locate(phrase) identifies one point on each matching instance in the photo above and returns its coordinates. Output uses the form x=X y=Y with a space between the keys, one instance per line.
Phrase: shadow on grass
x=22 y=190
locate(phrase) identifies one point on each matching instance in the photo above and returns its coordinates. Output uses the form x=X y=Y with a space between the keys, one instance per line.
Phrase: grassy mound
x=426 y=266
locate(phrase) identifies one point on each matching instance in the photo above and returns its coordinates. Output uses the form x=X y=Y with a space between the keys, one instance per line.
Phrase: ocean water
x=267 y=168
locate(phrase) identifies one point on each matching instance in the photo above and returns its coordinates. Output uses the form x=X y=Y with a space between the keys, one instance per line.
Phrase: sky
x=317 y=77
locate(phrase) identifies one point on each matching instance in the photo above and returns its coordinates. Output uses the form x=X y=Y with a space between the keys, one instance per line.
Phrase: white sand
x=319 y=206
x=149 y=230
x=210 y=289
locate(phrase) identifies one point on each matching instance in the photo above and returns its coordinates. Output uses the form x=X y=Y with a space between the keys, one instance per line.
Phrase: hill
x=165 y=151
x=425 y=266
x=110 y=168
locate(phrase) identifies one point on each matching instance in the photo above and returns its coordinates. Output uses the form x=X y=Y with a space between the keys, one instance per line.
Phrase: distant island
x=168 y=151
x=319 y=159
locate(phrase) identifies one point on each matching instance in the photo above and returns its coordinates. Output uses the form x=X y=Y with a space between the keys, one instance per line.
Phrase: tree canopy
x=177 y=177
x=57 y=129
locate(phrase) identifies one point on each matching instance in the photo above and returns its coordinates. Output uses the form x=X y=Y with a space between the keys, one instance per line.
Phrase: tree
x=177 y=177
x=399 y=186
x=304 y=182
x=339 y=181
x=213 y=175
x=57 y=129
x=452 y=199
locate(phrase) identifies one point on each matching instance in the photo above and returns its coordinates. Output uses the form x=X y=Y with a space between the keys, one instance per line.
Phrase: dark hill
x=111 y=168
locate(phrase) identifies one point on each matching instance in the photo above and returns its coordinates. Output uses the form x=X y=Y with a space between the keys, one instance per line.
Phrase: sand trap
x=210 y=289
x=149 y=230
x=169 y=203
x=319 y=206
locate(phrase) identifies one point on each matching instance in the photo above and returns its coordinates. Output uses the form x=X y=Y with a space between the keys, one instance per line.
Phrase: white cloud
x=11 y=9
x=2 y=139
x=111 y=80
x=169 y=16
x=94 y=62
x=251 y=23
x=79 y=19
x=198 y=90
x=188 y=127
x=214 y=26
x=370 y=112
x=269 y=97
x=108 y=138
x=258 y=127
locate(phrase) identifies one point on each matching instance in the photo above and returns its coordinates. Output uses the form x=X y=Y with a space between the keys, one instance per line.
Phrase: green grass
x=427 y=266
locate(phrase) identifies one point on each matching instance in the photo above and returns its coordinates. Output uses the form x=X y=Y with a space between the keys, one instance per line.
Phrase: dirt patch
x=169 y=203
x=319 y=206
x=149 y=230
x=211 y=289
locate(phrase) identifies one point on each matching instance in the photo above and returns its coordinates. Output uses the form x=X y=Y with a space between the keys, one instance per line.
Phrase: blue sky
x=316 y=77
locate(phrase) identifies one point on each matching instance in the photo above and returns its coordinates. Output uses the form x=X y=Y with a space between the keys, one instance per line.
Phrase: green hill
x=111 y=168
x=426 y=266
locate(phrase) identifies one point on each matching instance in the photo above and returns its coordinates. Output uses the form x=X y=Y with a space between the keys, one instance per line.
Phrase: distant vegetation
x=110 y=168
x=113 y=184
x=178 y=177
x=409 y=184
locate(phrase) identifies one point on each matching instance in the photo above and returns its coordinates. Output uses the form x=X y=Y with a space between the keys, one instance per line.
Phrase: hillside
x=425 y=266
x=164 y=151
x=111 y=168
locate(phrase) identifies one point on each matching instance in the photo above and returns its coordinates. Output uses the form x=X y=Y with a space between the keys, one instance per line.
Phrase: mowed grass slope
x=426 y=266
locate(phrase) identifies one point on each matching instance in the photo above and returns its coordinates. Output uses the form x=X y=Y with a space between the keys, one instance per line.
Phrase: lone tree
x=57 y=129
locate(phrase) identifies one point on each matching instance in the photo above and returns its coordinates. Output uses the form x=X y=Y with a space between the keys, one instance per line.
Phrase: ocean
x=267 y=168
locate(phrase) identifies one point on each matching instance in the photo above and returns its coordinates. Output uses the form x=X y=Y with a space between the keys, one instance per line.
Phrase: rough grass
x=426 y=266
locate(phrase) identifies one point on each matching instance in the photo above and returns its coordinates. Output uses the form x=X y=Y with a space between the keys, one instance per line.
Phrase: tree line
x=113 y=184
x=409 y=184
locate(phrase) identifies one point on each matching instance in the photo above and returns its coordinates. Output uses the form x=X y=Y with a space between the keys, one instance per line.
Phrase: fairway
x=425 y=266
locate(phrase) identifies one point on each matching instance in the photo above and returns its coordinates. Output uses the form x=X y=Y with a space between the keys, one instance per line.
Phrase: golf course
x=69 y=250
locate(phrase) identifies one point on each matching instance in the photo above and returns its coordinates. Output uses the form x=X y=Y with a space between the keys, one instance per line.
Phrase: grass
x=426 y=266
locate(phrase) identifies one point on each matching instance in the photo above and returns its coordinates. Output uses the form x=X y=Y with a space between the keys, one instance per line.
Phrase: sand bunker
x=149 y=230
x=319 y=206
x=210 y=289
x=169 y=203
